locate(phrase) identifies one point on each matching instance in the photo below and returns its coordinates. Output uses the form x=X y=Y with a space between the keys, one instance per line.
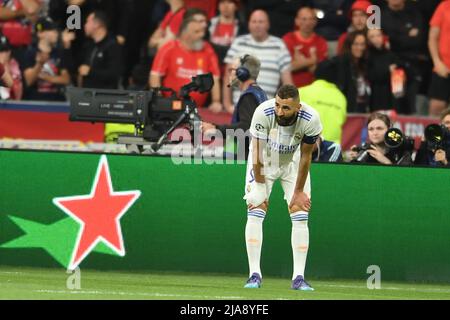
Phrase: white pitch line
x=386 y=288
x=119 y=293
x=15 y=273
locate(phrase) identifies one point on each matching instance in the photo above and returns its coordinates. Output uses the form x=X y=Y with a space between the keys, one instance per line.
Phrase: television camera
x=397 y=143
x=155 y=113
x=437 y=137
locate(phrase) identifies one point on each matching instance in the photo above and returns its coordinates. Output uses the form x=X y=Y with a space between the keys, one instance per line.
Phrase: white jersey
x=283 y=143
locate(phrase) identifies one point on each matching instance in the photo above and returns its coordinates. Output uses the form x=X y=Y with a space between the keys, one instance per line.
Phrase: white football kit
x=283 y=149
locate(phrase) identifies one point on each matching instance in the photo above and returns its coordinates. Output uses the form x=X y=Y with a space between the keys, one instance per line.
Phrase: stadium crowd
x=398 y=61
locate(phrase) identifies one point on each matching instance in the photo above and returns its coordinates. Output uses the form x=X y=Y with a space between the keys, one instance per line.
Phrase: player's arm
x=258 y=159
x=257 y=195
x=301 y=201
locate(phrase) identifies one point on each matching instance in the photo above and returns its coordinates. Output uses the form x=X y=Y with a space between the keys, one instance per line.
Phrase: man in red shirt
x=438 y=44
x=306 y=47
x=169 y=27
x=179 y=60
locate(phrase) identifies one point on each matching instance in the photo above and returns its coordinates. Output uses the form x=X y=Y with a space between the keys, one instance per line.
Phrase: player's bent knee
x=264 y=206
x=295 y=209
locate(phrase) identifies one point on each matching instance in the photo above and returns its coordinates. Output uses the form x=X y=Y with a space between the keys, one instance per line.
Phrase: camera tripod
x=189 y=116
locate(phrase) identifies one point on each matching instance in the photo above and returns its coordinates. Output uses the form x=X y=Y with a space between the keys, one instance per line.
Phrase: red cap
x=361 y=5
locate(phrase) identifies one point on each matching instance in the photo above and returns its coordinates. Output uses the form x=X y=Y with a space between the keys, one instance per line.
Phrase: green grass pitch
x=48 y=284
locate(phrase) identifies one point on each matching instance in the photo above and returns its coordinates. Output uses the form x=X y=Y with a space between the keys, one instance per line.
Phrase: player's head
x=287 y=105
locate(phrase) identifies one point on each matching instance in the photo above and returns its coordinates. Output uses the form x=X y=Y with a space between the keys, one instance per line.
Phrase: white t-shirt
x=283 y=143
x=273 y=54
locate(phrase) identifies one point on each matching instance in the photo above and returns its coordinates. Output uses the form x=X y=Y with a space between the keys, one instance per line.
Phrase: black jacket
x=247 y=107
x=397 y=25
x=425 y=157
x=379 y=75
x=347 y=82
x=105 y=60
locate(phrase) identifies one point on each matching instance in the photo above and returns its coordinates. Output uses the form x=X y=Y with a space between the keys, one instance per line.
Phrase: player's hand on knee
x=264 y=206
x=257 y=195
x=300 y=202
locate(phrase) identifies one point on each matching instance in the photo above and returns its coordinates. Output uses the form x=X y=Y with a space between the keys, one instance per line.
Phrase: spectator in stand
x=271 y=51
x=328 y=100
x=118 y=11
x=179 y=60
x=381 y=64
x=199 y=16
x=403 y=24
x=224 y=28
x=439 y=45
x=281 y=13
x=102 y=63
x=352 y=77
x=359 y=16
x=46 y=70
x=307 y=49
x=16 y=18
x=169 y=27
x=12 y=87
x=333 y=20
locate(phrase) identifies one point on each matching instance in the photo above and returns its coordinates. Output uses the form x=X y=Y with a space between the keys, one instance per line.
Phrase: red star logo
x=98 y=214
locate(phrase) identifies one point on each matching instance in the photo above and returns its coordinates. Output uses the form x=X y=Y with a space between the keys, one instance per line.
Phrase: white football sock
x=254 y=238
x=300 y=242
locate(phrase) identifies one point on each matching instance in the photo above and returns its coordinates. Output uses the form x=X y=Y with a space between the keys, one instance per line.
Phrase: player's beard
x=286 y=122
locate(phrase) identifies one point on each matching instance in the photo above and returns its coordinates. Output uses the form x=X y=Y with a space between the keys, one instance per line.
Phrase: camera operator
x=435 y=155
x=376 y=150
x=243 y=75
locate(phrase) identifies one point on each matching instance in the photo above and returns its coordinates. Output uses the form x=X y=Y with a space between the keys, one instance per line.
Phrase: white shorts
x=286 y=173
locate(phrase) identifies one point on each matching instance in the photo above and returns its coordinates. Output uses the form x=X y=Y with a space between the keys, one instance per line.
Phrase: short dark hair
x=288 y=91
x=101 y=17
x=445 y=113
x=379 y=116
x=188 y=17
x=189 y=13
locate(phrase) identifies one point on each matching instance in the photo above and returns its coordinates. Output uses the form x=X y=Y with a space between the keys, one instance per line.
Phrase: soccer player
x=284 y=132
